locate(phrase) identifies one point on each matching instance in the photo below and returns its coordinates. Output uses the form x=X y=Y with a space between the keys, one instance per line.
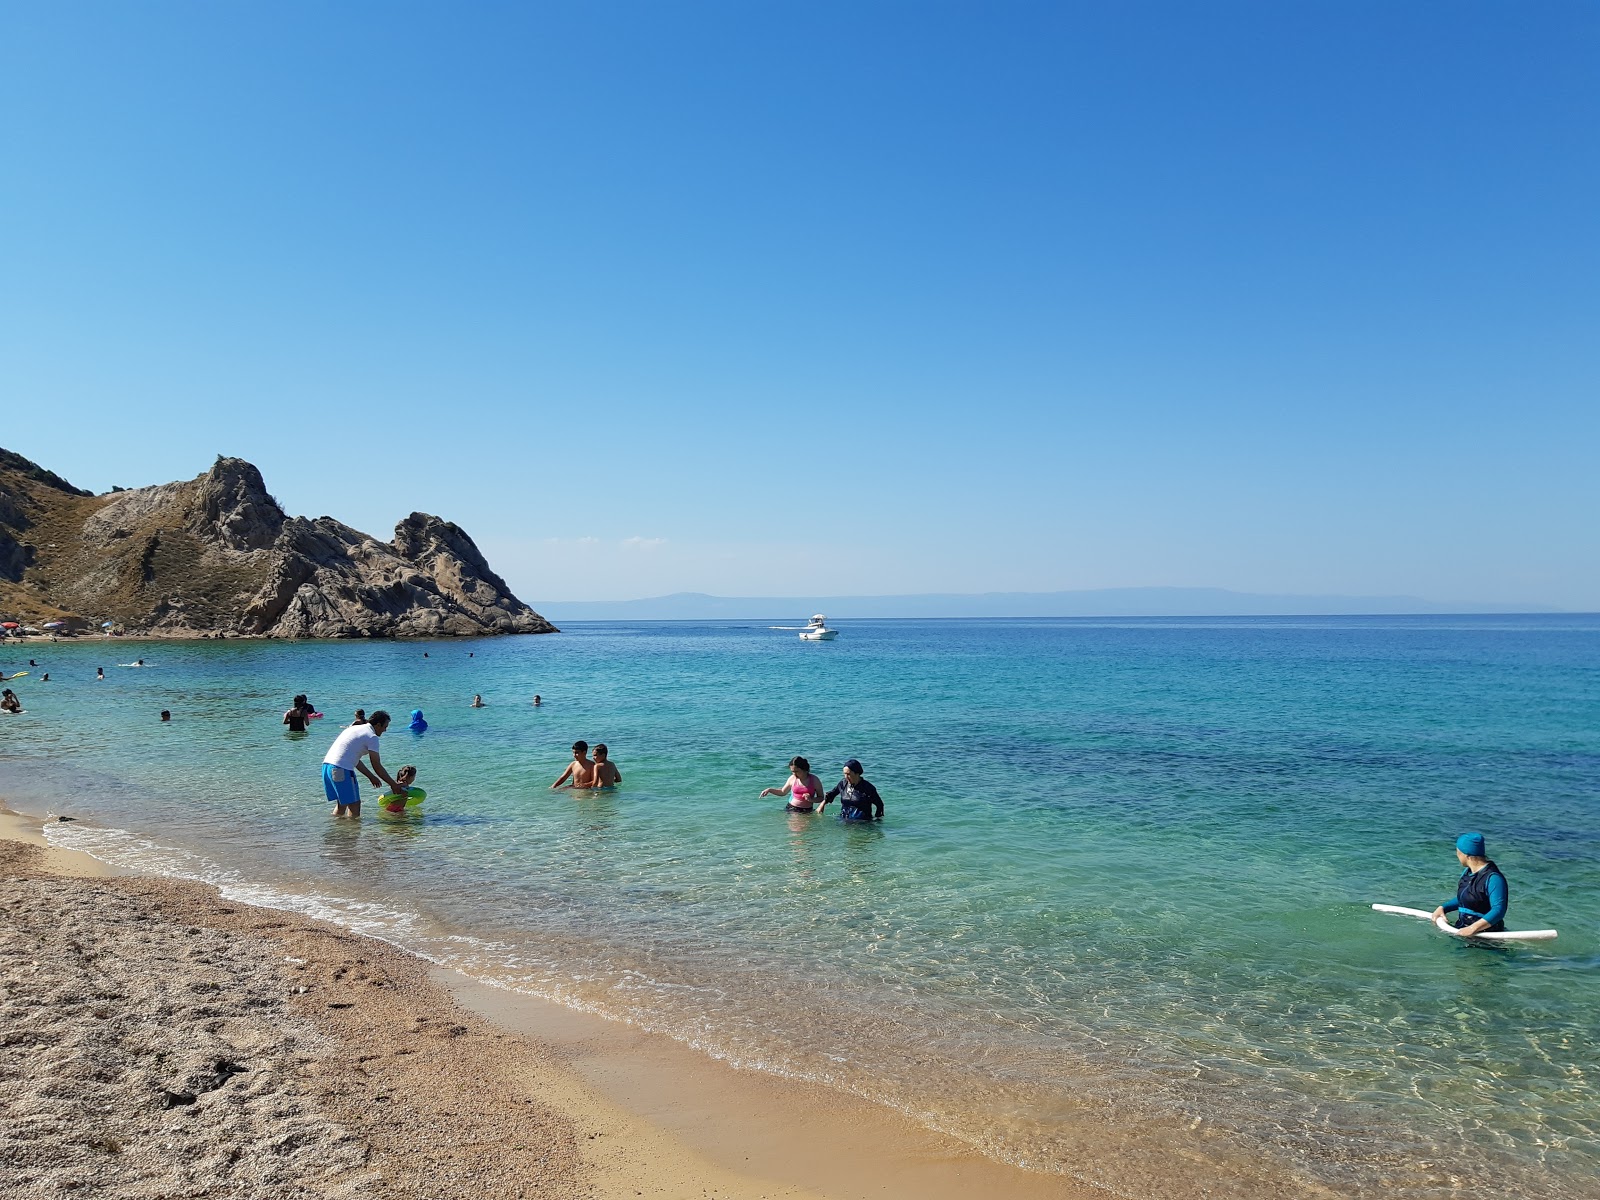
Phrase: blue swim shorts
x=342 y=785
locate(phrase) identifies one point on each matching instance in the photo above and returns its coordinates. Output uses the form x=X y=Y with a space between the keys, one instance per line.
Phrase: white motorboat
x=814 y=630
x=817 y=630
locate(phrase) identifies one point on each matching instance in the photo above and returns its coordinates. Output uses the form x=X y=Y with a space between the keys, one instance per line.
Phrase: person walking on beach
x=343 y=760
x=1482 y=894
x=802 y=788
x=858 y=799
x=580 y=770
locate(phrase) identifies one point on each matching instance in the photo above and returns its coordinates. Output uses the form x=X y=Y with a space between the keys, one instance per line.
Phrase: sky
x=841 y=298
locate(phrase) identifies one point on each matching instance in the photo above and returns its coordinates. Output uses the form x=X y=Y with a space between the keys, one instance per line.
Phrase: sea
x=1116 y=923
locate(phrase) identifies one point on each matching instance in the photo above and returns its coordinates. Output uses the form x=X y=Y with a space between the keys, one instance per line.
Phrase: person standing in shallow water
x=580 y=770
x=1482 y=893
x=606 y=774
x=858 y=799
x=343 y=760
x=297 y=715
x=802 y=789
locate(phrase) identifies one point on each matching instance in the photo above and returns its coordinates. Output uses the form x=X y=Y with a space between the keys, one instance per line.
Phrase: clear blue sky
x=842 y=298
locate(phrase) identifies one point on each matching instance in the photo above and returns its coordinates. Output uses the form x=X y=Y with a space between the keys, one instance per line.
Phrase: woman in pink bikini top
x=802 y=787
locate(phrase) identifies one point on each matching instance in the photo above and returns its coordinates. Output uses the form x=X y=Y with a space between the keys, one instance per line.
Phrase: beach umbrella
x=107 y=624
x=55 y=624
x=9 y=625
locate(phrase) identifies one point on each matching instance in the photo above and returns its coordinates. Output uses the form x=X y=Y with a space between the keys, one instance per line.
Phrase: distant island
x=1104 y=602
x=215 y=556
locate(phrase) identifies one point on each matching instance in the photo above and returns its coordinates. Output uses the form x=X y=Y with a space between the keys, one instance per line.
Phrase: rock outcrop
x=217 y=555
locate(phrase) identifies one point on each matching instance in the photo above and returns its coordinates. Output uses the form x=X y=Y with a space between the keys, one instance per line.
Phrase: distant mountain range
x=1103 y=602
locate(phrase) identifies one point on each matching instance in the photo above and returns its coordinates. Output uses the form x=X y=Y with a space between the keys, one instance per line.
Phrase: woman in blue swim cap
x=1482 y=894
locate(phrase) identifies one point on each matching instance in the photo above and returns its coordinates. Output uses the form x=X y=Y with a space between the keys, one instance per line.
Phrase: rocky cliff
x=216 y=555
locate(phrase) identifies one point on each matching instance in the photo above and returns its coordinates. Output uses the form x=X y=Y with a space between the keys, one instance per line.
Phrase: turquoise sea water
x=1116 y=923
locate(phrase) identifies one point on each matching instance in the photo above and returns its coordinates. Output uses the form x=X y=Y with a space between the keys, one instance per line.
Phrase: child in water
x=405 y=777
x=606 y=774
x=802 y=787
x=580 y=770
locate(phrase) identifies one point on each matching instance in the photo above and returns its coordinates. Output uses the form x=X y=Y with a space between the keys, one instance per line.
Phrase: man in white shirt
x=343 y=760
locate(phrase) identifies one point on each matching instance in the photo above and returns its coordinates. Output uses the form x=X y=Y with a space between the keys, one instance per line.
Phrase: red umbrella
x=9 y=625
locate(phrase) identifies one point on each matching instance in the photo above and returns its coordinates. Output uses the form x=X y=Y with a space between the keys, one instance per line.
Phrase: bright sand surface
x=156 y=1040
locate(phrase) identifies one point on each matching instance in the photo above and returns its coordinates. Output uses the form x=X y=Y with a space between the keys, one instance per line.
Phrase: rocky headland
x=216 y=556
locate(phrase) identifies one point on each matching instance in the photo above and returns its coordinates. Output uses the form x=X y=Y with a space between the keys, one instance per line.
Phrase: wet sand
x=156 y=1040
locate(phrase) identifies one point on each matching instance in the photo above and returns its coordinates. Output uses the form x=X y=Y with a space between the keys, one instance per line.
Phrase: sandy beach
x=160 y=1041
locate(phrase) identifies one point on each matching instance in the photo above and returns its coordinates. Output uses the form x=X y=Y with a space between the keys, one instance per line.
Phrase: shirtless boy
x=580 y=770
x=605 y=771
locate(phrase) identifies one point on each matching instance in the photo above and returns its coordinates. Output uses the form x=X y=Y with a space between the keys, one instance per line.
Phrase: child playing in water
x=405 y=777
x=606 y=774
x=580 y=770
x=802 y=787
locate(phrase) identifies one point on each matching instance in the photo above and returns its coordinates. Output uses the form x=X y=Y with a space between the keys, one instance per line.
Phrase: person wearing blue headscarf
x=418 y=725
x=1482 y=894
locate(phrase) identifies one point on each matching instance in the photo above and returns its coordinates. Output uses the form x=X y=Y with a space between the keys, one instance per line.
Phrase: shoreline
x=620 y=1112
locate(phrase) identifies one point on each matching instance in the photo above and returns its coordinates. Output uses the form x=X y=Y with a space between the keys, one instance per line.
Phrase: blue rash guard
x=1481 y=896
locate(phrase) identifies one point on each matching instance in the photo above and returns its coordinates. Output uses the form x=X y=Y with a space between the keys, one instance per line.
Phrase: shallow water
x=1123 y=884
